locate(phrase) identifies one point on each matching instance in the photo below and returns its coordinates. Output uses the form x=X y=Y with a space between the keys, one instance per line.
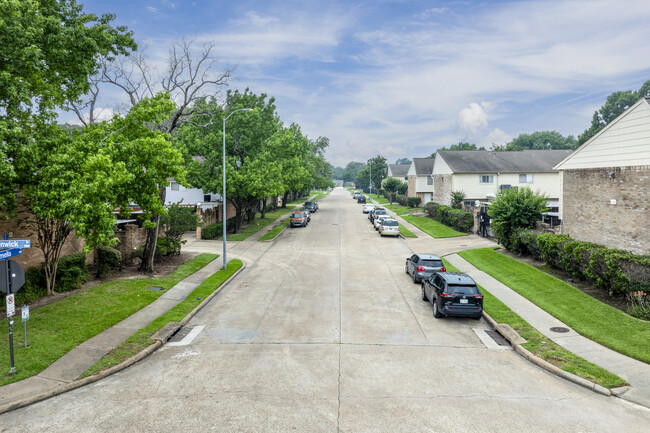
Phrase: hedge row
x=457 y=219
x=213 y=231
x=71 y=273
x=618 y=271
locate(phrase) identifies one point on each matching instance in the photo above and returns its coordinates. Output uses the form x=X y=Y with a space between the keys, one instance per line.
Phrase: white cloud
x=152 y=9
x=474 y=117
x=497 y=137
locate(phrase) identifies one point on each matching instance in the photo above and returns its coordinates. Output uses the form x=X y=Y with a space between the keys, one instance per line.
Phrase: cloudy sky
x=401 y=78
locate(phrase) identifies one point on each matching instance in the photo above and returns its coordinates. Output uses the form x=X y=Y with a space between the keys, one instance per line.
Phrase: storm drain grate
x=559 y=329
x=498 y=338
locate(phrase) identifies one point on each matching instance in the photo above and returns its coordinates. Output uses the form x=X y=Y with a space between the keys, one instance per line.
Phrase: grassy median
x=271 y=234
x=541 y=346
x=588 y=316
x=55 y=329
x=432 y=227
x=142 y=339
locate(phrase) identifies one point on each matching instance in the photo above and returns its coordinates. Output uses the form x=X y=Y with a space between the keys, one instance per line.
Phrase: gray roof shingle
x=399 y=170
x=423 y=166
x=483 y=161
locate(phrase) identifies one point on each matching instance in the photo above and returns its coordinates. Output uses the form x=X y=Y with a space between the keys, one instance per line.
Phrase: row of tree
x=55 y=57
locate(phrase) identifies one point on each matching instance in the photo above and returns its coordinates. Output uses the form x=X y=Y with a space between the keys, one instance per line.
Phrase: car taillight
x=478 y=296
x=420 y=269
x=443 y=269
x=447 y=295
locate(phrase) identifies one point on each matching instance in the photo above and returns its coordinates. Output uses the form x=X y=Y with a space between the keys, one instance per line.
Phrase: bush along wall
x=413 y=201
x=457 y=219
x=213 y=231
x=618 y=271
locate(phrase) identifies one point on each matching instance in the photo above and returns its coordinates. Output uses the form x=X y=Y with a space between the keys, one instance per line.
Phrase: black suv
x=310 y=206
x=375 y=213
x=361 y=199
x=453 y=294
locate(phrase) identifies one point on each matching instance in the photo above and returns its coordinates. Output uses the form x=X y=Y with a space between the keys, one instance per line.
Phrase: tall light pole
x=225 y=220
x=370 y=162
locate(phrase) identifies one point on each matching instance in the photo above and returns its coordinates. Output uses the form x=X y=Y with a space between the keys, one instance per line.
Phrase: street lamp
x=224 y=183
x=370 y=162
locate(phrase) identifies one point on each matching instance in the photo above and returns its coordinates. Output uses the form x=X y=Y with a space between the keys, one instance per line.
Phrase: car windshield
x=309 y=203
x=298 y=215
x=390 y=223
x=463 y=290
x=432 y=263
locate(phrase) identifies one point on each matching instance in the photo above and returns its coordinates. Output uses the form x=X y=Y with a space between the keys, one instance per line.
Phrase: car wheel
x=436 y=312
x=424 y=294
x=415 y=280
x=406 y=269
x=381 y=234
x=478 y=317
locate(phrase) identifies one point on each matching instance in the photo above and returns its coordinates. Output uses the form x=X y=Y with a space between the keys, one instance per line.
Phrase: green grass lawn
x=540 y=345
x=398 y=209
x=271 y=234
x=258 y=224
x=142 y=339
x=406 y=232
x=54 y=329
x=588 y=316
x=380 y=199
x=432 y=227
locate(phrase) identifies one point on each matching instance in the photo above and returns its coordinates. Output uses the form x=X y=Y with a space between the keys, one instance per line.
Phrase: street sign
x=15 y=243
x=10 y=253
x=25 y=312
x=11 y=306
x=12 y=276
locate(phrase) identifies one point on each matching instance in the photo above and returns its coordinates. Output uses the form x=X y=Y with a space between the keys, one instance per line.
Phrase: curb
x=516 y=341
x=127 y=363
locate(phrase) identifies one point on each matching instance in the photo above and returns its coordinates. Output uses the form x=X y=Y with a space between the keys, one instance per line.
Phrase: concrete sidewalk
x=59 y=376
x=636 y=373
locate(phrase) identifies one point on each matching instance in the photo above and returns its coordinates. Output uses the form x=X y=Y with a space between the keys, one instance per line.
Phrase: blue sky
x=403 y=78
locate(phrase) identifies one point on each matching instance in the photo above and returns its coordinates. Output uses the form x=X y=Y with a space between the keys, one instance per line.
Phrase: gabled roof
x=398 y=170
x=623 y=142
x=422 y=166
x=483 y=161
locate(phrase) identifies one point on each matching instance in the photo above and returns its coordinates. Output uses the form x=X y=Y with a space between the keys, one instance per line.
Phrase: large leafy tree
x=460 y=146
x=614 y=106
x=392 y=185
x=540 y=140
x=49 y=49
x=351 y=170
x=513 y=210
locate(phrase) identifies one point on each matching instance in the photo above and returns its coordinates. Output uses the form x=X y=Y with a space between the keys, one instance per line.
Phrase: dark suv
x=361 y=199
x=310 y=206
x=453 y=294
x=375 y=213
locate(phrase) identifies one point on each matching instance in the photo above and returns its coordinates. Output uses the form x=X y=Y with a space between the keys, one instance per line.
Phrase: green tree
x=614 y=106
x=457 y=198
x=460 y=146
x=542 y=140
x=513 y=210
x=403 y=161
x=351 y=171
x=49 y=49
x=392 y=185
x=178 y=220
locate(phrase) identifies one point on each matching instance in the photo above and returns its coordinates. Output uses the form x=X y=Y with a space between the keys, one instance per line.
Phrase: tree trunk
x=284 y=199
x=263 y=210
x=149 y=252
x=52 y=234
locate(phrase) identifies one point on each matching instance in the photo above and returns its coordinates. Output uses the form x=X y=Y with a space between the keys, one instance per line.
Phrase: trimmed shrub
x=457 y=219
x=413 y=201
x=401 y=199
x=166 y=247
x=527 y=244
x=33 y=289
x=213 y=231
x=71 y=272
x=107 y=259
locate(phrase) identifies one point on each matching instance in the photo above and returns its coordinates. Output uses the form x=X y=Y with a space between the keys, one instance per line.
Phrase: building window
x=429 y=180
x=486 y=178
x=525 y=178
x=174 y=186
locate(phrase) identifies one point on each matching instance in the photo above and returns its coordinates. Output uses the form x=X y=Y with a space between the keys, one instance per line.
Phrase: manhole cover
x=559 y=329
x=155 y=288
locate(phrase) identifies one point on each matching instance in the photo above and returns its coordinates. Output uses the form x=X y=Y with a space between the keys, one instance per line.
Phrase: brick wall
x=590 y=216
x=34 y=256
x=442 y=189
x=411 y=184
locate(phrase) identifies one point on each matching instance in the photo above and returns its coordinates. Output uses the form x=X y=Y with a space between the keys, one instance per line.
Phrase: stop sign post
x=12 y=278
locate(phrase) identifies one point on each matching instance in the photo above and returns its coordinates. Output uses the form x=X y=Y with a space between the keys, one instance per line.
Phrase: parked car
x=356 y=195
x=368 y=207
x=453 y=294
x=310 y=206
x=361 y=199
x=378 y=219
x=421 y=266
x=299 y=219
x=308 y=215
x=375 y=213
x=388 y=227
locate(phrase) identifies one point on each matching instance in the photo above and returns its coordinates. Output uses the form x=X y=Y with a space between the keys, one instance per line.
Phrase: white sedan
x=368 y=207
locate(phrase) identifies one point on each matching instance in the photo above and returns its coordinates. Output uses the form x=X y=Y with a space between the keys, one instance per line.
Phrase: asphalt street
x=324 y=332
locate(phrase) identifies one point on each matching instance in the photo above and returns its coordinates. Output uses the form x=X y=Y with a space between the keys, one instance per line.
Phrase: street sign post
x=10 y=253
x=11 y=309
x=15 y=243
x=25 y=313
x=12 y=278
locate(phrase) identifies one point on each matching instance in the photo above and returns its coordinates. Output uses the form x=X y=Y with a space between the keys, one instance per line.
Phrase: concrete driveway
x=324 y=332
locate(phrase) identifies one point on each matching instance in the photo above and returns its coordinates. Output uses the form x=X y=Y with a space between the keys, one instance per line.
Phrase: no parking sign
x=11 y=305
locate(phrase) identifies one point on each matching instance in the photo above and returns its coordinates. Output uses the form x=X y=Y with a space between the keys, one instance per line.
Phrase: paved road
x=323 y=332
